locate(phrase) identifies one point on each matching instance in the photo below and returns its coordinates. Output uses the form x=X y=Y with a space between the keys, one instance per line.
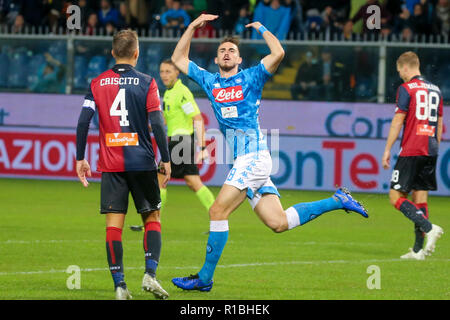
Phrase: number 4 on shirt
x=119 y=108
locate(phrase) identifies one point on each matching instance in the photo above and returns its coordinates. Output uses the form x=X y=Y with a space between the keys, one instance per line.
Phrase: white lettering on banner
x=34 y=154
x=26 y=146
x=37 y=153
x=71 y=155
x=309 y=163
x=337 y=119
x=46 y=155
x=4 y=155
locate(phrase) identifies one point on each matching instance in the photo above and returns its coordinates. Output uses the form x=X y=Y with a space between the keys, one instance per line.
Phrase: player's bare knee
x=393 y=200
x=151 y=216
x=217 y=212
x=394 y=196
x=190 y=185
x=193 y=182
x=277 y=226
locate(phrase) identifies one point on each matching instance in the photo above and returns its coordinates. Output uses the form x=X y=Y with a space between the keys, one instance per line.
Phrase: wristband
x=262 y=29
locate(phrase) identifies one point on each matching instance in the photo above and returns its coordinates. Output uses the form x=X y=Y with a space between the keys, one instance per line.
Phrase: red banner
x=46 y=154
x=51 y=154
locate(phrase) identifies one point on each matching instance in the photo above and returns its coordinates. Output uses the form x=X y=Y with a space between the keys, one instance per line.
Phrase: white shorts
x=252 y=172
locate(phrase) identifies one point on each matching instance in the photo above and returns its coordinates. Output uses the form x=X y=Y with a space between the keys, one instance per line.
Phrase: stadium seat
x=19 y=65
x=151 y=60
x=36 y=62
x=443 y=71
x=364 y=88
x=152 y=69
x=4 y=70
x=79 y=81
x=212 y=66
x=58 y=50
x=96 y=66
x=152 y=54
x=141 y=66
x=111 y=63
x=445 y=90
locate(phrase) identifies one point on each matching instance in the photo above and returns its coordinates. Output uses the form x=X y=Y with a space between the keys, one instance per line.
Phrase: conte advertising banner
x=325 y=119
x=320 y=145
x=310 y=163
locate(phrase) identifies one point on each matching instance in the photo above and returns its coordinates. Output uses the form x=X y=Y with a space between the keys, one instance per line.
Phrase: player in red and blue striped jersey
x=419 y=110
x=126 y=101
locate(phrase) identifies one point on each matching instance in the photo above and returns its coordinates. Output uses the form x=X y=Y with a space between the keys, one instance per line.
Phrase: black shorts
x=414 y=173
x=182 y=164
x=116 y=186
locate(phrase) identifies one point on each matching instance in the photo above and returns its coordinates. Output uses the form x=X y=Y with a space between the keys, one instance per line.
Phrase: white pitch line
x=241 y=265
x=6 y=242
x=308 y=243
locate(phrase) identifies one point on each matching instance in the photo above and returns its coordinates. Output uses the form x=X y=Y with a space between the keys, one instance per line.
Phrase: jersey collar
x=418 y=77
x=229 y=78
x=120 y=68
x=176 y=84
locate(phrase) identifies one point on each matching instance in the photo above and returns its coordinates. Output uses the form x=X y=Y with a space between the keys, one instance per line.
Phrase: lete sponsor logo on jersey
x=230 y=94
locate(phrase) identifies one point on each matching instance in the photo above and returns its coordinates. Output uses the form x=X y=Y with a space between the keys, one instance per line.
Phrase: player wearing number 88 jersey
x=420 y=110
x=422 y=104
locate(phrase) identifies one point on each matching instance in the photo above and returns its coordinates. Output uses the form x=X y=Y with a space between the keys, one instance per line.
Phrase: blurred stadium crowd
x=285 y=18
x=316 y=71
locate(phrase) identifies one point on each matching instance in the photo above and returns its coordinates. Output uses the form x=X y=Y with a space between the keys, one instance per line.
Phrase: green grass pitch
x=47 y=226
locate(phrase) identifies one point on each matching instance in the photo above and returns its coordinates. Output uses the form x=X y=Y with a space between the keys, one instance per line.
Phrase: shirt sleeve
x=259 y=75
x=441 y=106
x=188 y=104
x=87 y=112
x=89 y=101
x=198 y=74
x=153 y=100
x=403 y=100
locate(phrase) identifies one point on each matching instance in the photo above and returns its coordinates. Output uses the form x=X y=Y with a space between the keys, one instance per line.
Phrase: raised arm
x=273 y=60
x=180 y=56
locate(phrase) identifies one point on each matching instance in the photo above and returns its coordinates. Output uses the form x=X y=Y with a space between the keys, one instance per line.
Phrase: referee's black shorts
x=414 y=173
x=182 y=163
x=116 y=186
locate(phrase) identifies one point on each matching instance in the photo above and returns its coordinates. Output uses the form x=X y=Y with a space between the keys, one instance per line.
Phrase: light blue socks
x=302 y=213
x=218 y=236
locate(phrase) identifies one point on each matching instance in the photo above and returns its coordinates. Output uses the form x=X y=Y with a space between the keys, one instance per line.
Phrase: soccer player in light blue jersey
x=235 y=96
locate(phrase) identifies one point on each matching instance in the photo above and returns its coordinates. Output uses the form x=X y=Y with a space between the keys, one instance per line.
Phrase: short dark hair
x=170 y=62
x=232 y=39
x=125 y=43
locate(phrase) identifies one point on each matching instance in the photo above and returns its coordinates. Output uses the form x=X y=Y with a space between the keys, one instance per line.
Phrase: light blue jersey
x=236 y=101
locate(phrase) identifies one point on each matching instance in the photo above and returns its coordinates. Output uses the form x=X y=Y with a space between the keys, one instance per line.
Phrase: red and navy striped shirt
x=123 y=97
x=422 y=103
